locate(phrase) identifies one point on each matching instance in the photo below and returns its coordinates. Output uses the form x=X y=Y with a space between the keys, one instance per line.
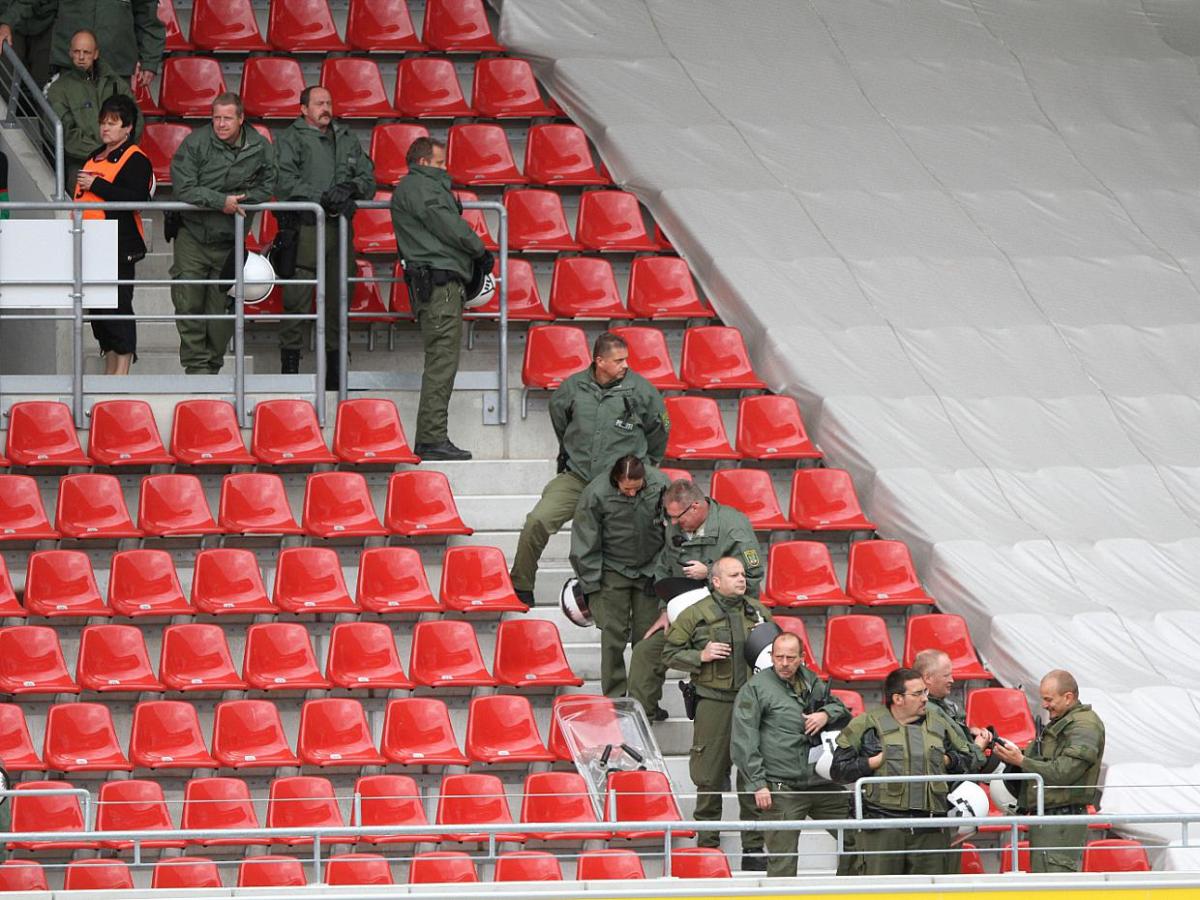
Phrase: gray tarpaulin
x=965 y=234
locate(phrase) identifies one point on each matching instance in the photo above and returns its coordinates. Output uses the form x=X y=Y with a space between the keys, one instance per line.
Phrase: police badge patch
x=751 y=558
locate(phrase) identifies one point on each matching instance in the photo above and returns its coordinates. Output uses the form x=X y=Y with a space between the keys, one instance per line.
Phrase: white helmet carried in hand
x=758 y=645
x=574 y=603
x=677 y=604
x=258 y=278
x=967 y=800
x=1002 y=797
x=485 y=295
x=824 y=762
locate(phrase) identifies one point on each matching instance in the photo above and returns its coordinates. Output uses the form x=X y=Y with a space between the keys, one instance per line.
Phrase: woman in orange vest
x=118 y=171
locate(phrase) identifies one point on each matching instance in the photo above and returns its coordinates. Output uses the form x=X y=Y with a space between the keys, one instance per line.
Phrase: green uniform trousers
x=887 y=851
x=298 y=298
x=441 y=322
x=1056 y=848
x=789 y=804
x=203 y=342
x=647 y=671
x=622 y=610
x=709 y=766
x=552 y=512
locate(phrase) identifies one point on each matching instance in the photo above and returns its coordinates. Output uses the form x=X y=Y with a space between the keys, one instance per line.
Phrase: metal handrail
x=22 y=79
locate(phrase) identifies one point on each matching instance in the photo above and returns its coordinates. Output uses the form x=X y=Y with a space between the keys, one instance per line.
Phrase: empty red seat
x=715 y=358
x=537 y=223
x=357 y=868
x=362 y=655
x=477 y=221
x=286 y=432
x=608 y=865
x=592 y=719
x=334 y=732
x=114 y=658
x=881 y=573
x=504 y=88
x=641 y=796
x=190 y=84
x=195 y=657
x=136 y=805
x=97 y=875
x=366 y=301
x=255 y=503
x=852 y=699
x=31 y=662
x=249 y=734
x=458 y=26
x=279 y=656
x=271 y=870
x=612 y=221
x=16 y=746
x=226 y=581
x=392 y=579
x=1115 y=855
x=795 y=625
x=399 y=303
x=699 y=862
x=61 y=583
x=475 y=580
x=420 y=503
x=1005 y=709
x=373 y=233
x=427 y=87
x=9 y=605
x=801 y=574
x=92 y=505
x=479 y=154
x=48 y=812
x=752 y=492
x=560 y=155
x=649 y=357
x=553 y=353
x=144 y=583
x=145 y=101
x=382 y=25
x=304 y=801
x=22 y=875
x=501 y=729
x=474 y=800
x=858 y=648
x=271 y=85
x=390 y=800
x=527 y=865
x=1023 y=857
x=171 y=505
x=80 y=738
x=530 y=653
x=42 y=433
x=559 y=797
x=389 y=147
x=338 y=504
x=697 y=430
x=824 y=500
x=214 y=805
x=417 y=732
x=661 y=287
x=175 y=39
x=303 y=26
x=583 y=287
x=949 y=634
x=524 y=298
x=182 y=872
x=225 y=25
x=357 y=87
x=368 y=430
x=22 y=516
x=770 y=427
x=166 y=735
x=159 y=142
x=442 y=867
x=445 y=653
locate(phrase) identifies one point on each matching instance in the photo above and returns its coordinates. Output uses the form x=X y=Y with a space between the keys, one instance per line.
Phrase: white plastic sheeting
x=966 y=235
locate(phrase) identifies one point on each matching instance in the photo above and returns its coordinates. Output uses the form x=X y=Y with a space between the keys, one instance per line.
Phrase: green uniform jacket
x=76 y=97
x=205 y=170
x=921 y=748
x=612 y=531
x=726 y=532
x=769 y=743
x=312 y=161
x=597 y=425
x=1067 y=756
x=127 y=31
x=430 y=229
x=38 y=15
x=956 y=718
x=712 y=619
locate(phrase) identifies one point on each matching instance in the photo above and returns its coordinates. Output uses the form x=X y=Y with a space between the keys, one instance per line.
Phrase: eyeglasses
x=683 y=512
x=924 y=693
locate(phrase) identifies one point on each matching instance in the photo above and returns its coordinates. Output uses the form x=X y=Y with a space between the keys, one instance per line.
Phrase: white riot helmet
x=677 y=604
x=824 y=762
x=574 y=603
x=258 y=278
x=968 y=800
x=758 y=645
x=485 y=295
x=1002 y=797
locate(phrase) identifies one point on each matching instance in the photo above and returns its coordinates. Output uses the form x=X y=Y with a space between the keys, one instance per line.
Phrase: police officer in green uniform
x=707 y=641
x=778 y=718
x=439 y=250
x=600 y=414
x=615 y=538
x=217 y=168
x=699 y=531
x=319 y=160
x=30 y=35
x=901 y=739
x=1067 y=755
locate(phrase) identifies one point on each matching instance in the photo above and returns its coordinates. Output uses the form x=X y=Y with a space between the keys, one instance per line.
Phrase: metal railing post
x=668 y=859
x=77 y=316
x=343 y=308
x=60 y=162
x=317 y=859
x=239 y=323
x=503 y=363
x=1014 y=841
x=319 y=331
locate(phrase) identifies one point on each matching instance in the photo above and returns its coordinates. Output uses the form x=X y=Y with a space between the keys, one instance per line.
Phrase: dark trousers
x=118 y=336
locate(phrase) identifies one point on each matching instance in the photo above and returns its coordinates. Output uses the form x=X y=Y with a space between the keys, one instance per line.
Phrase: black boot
x=331 y=370
x=289 y=362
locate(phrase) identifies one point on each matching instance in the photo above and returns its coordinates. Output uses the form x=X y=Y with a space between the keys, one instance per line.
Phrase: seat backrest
x=504 y=87
x=393 y=579
x=1005 y=708
x=358 y=868
x=556 y=797
x=228 y=579
x=190 y=84
x=135 y=805
x=559 y=154
x=383 y=25
x=552 y=354
x=472 y=799
x=609 y=865
x=185 y=872
x=255 y=503
x=303 y=26
x=300 y=801
x=225 y=25
x=527 y=865
x=612 y=220
x=1115 y=855
x=97 y=875
x=217 y=803
x=357 y=87
x=428 y=87
x=442 y=867
x=389 y=146
x=458 y=26
x=389 y=800
x=271 y=85
x=48 y=812
x=748 y=490
x=271 y=870
x=124 y=432
x=42 y=432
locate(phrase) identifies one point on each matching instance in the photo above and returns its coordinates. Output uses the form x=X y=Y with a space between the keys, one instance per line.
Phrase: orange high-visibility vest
x=108 y=171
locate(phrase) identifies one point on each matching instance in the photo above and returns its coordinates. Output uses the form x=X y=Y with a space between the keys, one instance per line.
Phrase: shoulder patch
x=750 y=555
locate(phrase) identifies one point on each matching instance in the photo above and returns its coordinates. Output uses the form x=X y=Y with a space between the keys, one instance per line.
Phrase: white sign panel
x=41 y=250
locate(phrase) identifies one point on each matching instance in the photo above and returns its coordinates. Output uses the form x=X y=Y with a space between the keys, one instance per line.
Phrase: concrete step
x=156 y=361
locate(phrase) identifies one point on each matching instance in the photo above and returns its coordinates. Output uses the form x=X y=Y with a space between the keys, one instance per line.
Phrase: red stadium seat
x=458 y=26
x=304 y=801
x=114 y=658
x=475 y=580
x=255 y=503
x=22 y=516
x=1115 y=855
x=427 y=87
x=392 y=580
x=124 y=433
x=373 y=233
x=852 y=699
x=225 y=25
x=609 y=865
x=80 y=738
x=303 y=26
x=190 y=84
x=527 y=865
x=612 y=221
x=166 y=735
x=881 y=573
x=249 y=734
x=504 y=88
x=357 y=87
x=529 y=653
x=699 y=862
x=61 y=583
x=751 y=492
x=661 y=287
x=524 y=299
x=642 y=796
x=22 y=875
x=417 y=731
x=9 y=606
x=268 y=228
x=97 y=875
x=271 y=870
x=362 y=656
x=195 y=657
x=16 y=745
x=279 y=656
x=368 y=430
x=553 y=353
x=649 y=356
x=42 y=433
x=560 y=155
x=474 y=800
x=338 y=504
x=801 y=574
x=214 y=805
x=593 y=720
x=1006 y=709
x=770 y=427
x=226 y=581
x=391 y=800
x=479 y=154
x=31 y=662
x=174 y=505
x=144 y=583
x=501 y=729
x=175 y=39
x=715 y=358
x=583 y=287
x=559 y=797
x=420 y=503
x=477 y=221
x=399 y=303
x=271 y=85
x=357 y=868
x=947 y=633
x=445 y=653
x=697 y=431
x=136 y=805
x=858 y=648
x=1023 y=858
x=48 y=812
x=442 y=867
x=824 y=500
x=795 y=625
x=147 y=105
x=536 y=222
x=381 y=25
x=91 y=505
x=389 y=146
x=206 y=432
x=286 y=432
x=366 y=301
x=334 y=732
x=182 y=872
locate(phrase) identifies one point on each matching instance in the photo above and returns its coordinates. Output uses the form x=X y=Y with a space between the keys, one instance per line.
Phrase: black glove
x=561 y=462
x=871 y=744
x=339 y=199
